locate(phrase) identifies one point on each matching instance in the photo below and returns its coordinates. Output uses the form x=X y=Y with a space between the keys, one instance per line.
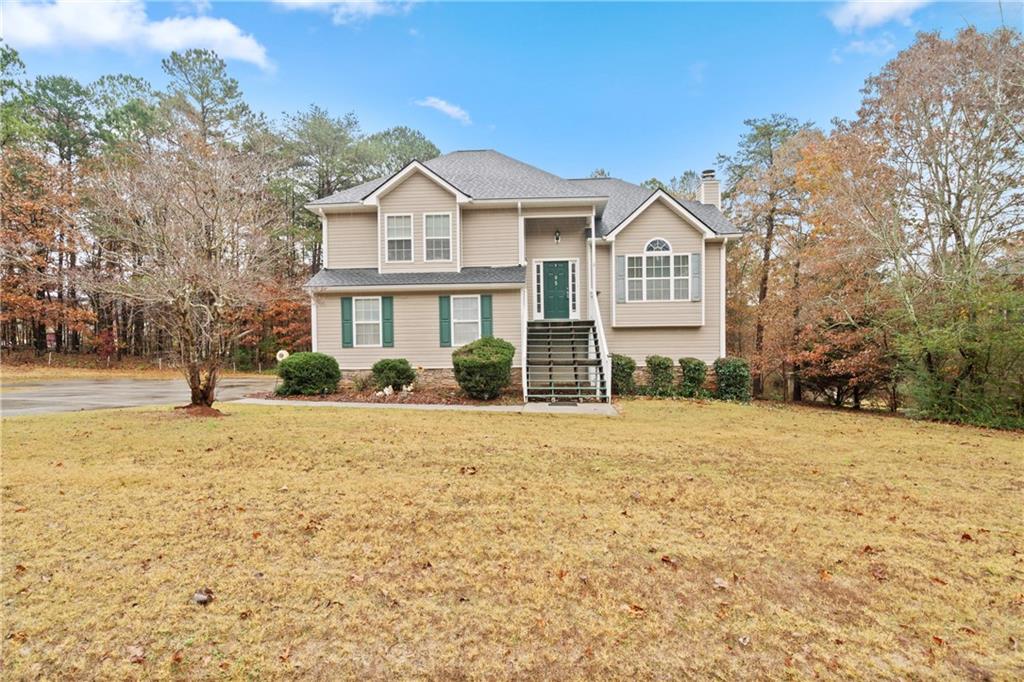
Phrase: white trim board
x=574 y=283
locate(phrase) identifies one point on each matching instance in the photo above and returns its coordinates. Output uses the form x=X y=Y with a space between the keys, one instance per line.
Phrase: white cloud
x=857 y=15
x=876 y=47
x=350 y=11
x=123 y=26
x=447 y=108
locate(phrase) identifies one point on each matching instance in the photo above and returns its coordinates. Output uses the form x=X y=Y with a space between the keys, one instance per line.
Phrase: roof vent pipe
x=710 y=190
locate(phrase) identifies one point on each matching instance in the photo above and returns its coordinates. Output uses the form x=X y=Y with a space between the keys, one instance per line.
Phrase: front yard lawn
x=683 y=539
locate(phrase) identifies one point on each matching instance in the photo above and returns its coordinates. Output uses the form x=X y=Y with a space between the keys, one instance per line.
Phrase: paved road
x=72 y=395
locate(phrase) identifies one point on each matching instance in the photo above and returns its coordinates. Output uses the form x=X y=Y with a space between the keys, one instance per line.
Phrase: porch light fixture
x=558 y=236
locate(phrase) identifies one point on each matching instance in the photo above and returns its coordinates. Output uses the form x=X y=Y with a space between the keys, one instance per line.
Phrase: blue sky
x=639 y=89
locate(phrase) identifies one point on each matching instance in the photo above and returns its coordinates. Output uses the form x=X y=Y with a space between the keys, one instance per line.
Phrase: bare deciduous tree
x=191 y=223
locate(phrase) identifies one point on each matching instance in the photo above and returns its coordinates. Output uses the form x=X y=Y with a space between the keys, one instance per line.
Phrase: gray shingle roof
x=481 y=174
x=369 y=277
x=624 y=197
x=487 y=174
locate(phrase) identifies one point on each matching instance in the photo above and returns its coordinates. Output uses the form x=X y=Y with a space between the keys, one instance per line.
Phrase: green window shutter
x=486 y=318
x=620 y=279
x=696 y=288
x=346 y=322
x=445 y=311
x=387 y=316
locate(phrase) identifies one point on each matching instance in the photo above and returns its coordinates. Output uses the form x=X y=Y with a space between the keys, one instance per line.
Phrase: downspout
x=524 y=298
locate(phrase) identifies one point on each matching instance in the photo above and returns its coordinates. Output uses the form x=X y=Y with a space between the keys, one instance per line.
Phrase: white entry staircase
x=564 y=362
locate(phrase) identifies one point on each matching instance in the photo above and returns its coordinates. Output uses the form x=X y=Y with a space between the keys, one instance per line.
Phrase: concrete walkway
x=592 y=409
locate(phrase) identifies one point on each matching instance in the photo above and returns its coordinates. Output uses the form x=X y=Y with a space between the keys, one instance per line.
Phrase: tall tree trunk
x=762 y=294
x=798 y=389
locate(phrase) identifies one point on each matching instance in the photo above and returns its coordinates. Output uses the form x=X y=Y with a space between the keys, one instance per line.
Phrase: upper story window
x=437 y=236
x=398 y=230
x=658 y=275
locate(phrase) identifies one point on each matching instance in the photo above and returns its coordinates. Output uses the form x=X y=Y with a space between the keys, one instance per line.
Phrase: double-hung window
x=681 y=277
x=366 y=321
x=437 y=236
x=465 y=319
x=658 y=275
x=399 y=238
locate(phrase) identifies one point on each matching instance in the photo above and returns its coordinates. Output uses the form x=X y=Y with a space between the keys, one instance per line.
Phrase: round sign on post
x=282 y=355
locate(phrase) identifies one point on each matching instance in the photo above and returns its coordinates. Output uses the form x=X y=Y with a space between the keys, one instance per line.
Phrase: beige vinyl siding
x=674 y=342
x=350 y=240
x=540 y=244
x=541 y=211
x=417 y=195
x=416 y=327
x=490 y=237
x=659 y=221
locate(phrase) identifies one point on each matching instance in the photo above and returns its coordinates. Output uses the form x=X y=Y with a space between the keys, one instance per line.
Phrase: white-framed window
x=465 y=319
x=398 y=233
x=658 y=275
x=437 y=236
x=681 y=277
x=366 y=321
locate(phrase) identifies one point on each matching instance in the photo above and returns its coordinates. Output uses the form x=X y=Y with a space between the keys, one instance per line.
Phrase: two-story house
x=474 y=243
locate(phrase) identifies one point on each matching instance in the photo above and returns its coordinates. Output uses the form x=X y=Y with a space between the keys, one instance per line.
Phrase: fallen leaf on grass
x=824 y=575
x=666 y=559
x=966 y=537
x=635 y=608
x=256 y=535
x=136 y=654
x=177 y=656
x=720 y=584
x=938 y=581
x=938 y=640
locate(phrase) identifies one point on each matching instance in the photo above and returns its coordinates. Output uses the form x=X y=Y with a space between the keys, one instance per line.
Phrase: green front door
x=556 y=290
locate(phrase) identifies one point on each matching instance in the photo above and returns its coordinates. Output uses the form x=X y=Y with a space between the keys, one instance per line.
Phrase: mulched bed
x=198 y=411
x=427 y=390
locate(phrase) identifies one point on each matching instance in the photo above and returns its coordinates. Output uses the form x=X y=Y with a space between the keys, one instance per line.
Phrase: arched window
x=658 y=275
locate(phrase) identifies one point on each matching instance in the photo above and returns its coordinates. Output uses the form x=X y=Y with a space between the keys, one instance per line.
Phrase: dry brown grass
x=683 y=539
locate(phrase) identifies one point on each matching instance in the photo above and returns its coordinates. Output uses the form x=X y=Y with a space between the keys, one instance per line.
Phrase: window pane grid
x=465 y=319
x=366 y=321
x=437 y=232
x=399 y=238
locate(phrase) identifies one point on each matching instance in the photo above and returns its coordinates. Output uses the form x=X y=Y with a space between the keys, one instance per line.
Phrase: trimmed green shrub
x=393 y=372
x=694 y=372
x=732 y=379
x=623 y=367
x=308 y=374
x=484 y=367
x=659 y=376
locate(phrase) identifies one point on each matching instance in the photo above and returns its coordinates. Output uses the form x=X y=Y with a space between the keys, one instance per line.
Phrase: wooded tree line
x=94 y=175
x=884 y=260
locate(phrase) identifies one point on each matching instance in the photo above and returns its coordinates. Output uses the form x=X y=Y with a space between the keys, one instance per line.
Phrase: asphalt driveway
x=73 y=395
